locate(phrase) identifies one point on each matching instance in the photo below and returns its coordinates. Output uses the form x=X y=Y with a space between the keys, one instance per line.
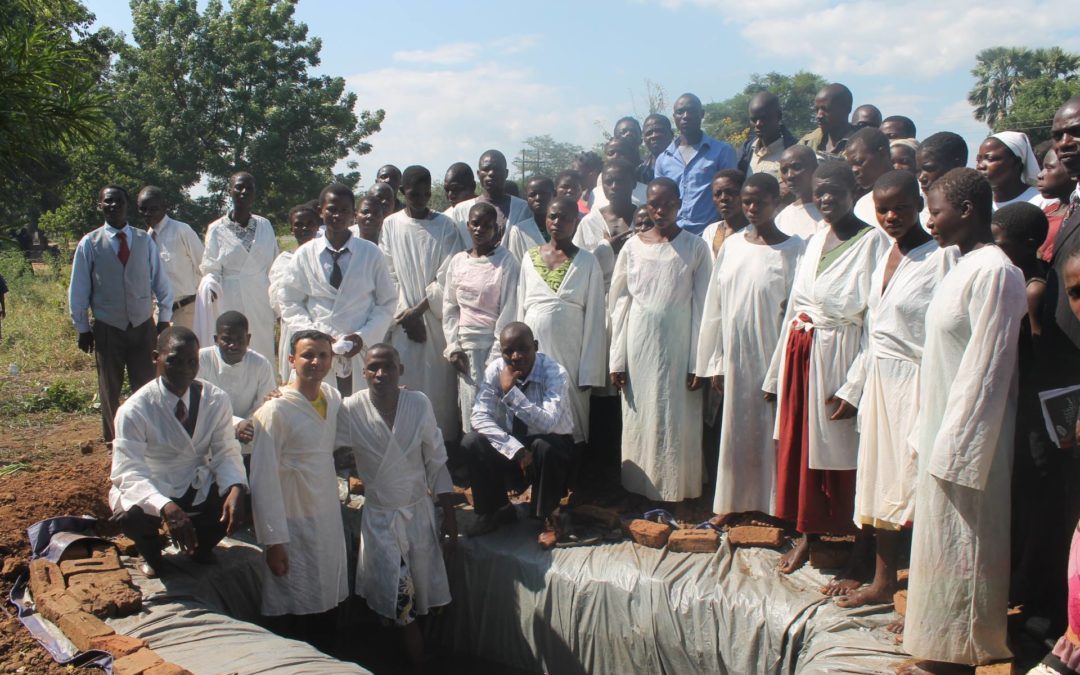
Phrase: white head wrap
x=906 y=142
x=1019 y=145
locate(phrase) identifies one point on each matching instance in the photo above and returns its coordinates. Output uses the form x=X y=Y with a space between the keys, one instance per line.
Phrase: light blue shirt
x=694 y=179
x=79 y=293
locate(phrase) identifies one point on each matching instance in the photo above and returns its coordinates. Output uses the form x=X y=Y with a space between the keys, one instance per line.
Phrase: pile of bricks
x=87 y=585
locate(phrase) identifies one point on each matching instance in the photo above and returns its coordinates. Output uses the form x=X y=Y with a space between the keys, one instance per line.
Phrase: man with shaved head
x=459 y=184
x=691 y=161
x=657 y=135
x=522 y=424
x=866 y=115
x=768 y=137
x=832 y=106
x=180 y=249
x=517 y=231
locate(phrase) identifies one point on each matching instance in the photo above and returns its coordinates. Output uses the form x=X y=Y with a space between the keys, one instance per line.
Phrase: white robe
x=486 y=287
x=294 y=502
x=364 y=303
x=638 y=197
x=594 y=236
x=571 y=326
x=866 y=210
x=418 y=252
x=244 y=276
x=247 y=383
x=656 y=300
x=800 y=220
x=883 y=383
x=402 y=469
x=155 y=461
x=835 y=301
x=958 y=590
x=521 y=232
x=278 y=272
x=744 y=313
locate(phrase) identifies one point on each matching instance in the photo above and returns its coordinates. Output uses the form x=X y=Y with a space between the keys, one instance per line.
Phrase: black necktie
x=335 y=272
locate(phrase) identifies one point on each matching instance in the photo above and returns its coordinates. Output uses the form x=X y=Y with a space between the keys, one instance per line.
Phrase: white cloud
x=437 y=117
x=455 y=52
x=922 y=38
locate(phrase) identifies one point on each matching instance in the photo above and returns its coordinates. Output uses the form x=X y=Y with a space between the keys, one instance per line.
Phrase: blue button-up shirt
x=695 y=179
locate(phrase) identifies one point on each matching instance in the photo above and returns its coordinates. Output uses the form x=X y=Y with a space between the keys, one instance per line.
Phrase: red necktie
x=181 y=412
x=124 y=253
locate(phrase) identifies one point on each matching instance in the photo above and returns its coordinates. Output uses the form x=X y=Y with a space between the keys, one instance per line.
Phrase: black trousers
x=553 y=455
x=142 y=528
x=115 y=351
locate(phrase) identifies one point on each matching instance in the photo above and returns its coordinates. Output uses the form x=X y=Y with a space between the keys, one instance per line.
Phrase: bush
x=61 y=396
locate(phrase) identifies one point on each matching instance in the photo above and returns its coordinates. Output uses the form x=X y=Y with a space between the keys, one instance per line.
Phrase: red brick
x=648 y=533
x=81 y=628
x=599 y=514
x=167 y=669
x=1002 y=668
x=120 y=576
x=105 y=595
x=900 y=602
x=125 y=546
x=45 y=578
x=117 y=645
x=694 y=541
x=100 y=561
x=56 y=605
x=137 y=663
x=12 y=568
x=755 y=535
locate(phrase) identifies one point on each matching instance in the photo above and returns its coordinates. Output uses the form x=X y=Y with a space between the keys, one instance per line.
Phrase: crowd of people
x=848 y=332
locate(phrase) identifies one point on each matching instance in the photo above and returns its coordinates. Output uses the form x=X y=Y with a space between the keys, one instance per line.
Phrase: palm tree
x=998 y=72
x=1057 y=63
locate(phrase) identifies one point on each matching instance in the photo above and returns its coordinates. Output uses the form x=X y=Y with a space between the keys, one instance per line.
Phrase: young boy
x=517 y=231
x=303 y=224
x=341 y=285
x=386 y=196
x=727 y=187
x=294 y=497
x=568 y=184
x=459 y=185
x=868 y=154
x=245 y=375
x=936 y=156
x=401 y=459
x=800 y=218
x=479 y=301
x=539 y=192
x=418 y=242
x=604 y=230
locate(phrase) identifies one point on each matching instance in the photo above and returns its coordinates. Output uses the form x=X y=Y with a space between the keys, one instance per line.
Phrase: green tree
x=1001 y=72
x=729 y=120
x=544 y=156
x=202 y=95
x=1034 y=105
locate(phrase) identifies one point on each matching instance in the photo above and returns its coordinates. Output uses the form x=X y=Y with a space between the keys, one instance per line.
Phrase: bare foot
x=796 y=557
x=722 y=519
x=896 y=627
x=934 y=668
x=866 y=595
x=838 y=586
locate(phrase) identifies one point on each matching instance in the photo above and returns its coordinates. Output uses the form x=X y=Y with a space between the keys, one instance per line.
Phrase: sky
x=458 y=78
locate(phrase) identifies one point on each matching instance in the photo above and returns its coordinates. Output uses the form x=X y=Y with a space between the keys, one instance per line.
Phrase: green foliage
x=14 y=267
x=1034 y=105
x=1001 y=72
x=37 y=333
x=544 y=156
x=60 y=396
x=729 y=120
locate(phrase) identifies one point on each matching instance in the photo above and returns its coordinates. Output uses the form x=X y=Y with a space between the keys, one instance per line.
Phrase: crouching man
x=176 y=458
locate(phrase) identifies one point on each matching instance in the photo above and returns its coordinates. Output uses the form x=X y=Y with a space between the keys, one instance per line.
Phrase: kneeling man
x=176 y=458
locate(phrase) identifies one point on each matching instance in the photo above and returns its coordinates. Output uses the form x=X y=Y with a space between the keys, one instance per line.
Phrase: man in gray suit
x=116 y=276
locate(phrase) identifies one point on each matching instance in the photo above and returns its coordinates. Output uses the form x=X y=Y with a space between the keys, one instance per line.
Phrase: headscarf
x=1019 y=145
x=906 y=142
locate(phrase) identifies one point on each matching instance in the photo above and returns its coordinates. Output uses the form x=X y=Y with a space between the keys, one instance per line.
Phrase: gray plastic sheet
x=623 y=608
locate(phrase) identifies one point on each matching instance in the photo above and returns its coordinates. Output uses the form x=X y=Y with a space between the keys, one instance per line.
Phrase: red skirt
x=818 y=502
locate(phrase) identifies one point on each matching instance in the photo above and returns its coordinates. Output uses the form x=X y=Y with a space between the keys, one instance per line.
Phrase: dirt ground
x=62 y=480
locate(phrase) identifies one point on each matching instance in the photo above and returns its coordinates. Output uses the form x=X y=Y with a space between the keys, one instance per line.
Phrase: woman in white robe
x=959 y=583
x=740 y=327
x=656 y=300
x=418 y=249
x=567 y=315
x=294 y=502
x=244 y=275
x=479 y=300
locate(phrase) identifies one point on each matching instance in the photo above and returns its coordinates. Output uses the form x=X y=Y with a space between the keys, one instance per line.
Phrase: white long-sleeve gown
x=294 y=500
x=244 y=277
x=571 y=326
x=656 y=299
x=959 y=584
x=418 y=252
x=741 y=324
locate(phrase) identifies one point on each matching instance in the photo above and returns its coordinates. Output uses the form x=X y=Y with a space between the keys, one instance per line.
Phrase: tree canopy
x=1004 y=74
x=729 y=120
x=544 y=156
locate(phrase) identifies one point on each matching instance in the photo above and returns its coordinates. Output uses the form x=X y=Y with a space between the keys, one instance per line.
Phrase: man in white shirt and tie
x=115 y=276
x=180 y=250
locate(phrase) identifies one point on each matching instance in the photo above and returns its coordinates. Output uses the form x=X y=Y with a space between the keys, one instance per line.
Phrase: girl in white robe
x=479 y=300
x=656 y=300
x=959 y=583
x=418 y=243
x=565 y=309
x=519 y=231
x=740 y=327
x=244 y=275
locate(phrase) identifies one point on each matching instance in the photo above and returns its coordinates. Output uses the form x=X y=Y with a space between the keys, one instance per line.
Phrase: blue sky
x=458 y=78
